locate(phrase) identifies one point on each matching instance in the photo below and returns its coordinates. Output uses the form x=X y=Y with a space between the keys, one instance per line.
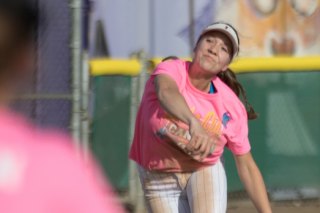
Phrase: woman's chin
x=210 y=69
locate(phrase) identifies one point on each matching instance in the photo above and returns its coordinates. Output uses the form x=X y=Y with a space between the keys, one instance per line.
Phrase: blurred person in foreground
x=40 y=170
x=189 y=112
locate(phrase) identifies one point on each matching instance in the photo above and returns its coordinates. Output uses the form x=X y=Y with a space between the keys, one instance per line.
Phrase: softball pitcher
x=189 y=112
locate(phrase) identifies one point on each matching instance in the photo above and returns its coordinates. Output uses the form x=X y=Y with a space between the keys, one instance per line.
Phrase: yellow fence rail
x=132 y=67
x=108 y=66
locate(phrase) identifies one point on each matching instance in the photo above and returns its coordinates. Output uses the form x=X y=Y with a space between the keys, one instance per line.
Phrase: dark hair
x=171 y=57
x=18 y=19
x=230 y=79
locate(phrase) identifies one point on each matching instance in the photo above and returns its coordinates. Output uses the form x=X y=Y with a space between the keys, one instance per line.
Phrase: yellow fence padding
x=286 y=64
x=108 y=66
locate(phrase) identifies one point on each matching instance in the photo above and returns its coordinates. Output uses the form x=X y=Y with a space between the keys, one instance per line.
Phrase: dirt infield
x=245 y=206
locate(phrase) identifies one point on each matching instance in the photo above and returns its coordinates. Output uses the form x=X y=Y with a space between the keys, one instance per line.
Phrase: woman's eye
x=225 y=49
x=209 y=40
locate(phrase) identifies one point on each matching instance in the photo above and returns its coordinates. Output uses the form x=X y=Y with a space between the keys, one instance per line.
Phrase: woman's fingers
x=212 y=147
x=200 y=143
x=206 y=149
x=201 y=146
x=195 y=143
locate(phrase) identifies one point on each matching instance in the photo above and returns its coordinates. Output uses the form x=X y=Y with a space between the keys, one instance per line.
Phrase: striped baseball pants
x=203 y=191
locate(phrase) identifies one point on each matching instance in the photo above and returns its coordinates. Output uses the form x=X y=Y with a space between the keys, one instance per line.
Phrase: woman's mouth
x=209 y=58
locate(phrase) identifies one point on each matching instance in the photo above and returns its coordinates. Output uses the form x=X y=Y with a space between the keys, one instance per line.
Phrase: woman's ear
x=225 y=68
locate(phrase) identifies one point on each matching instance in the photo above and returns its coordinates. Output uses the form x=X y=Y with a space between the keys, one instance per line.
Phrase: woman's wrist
x=192 y=120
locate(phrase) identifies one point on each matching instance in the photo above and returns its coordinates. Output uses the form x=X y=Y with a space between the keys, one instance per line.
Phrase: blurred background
x=94 y=57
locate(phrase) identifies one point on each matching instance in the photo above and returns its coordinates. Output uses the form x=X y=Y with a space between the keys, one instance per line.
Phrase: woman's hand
x=201 y=144
x=198 y=148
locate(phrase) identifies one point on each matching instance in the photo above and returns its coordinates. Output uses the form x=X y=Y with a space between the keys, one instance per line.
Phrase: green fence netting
x=285 y=138
x=110 y=127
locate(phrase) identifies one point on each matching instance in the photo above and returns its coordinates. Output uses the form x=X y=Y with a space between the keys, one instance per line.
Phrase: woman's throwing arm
x=175 y=104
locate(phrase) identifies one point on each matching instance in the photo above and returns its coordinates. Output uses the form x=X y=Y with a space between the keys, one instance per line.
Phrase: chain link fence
x=47 y=100
x=56 y=95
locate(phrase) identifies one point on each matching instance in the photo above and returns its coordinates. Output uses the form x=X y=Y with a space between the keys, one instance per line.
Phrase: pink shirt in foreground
x=40 y=172
x=222 y=114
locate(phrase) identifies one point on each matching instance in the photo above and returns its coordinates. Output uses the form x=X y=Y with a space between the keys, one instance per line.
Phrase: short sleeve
x=173 y=68
x=238 y=140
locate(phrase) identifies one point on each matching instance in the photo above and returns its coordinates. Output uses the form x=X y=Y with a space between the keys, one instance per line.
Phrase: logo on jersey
x=210 y=122
x=225 y=119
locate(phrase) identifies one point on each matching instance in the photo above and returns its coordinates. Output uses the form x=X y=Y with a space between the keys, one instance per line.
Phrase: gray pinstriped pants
x=203 y=191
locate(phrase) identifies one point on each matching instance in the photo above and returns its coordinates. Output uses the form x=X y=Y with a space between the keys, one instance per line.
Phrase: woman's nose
x=213 y=49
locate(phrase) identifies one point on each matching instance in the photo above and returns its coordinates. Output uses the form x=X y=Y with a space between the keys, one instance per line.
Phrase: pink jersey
x=40 y=172
x=222 y=114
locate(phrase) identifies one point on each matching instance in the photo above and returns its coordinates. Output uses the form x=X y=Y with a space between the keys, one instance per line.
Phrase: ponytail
x=229 y=78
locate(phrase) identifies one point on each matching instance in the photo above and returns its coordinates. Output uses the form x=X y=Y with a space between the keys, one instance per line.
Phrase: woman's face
x=213 y=52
